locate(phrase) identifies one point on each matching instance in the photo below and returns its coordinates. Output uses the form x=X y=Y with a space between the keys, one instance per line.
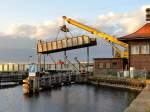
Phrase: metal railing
x=24 y=67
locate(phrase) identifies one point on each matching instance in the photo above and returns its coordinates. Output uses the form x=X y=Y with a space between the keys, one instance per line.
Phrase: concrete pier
x=141 y=103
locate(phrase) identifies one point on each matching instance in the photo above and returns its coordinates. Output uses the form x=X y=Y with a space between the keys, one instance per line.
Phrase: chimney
x=148 y=14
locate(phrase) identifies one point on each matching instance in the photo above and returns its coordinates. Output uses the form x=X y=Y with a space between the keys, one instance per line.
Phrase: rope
x=57 y=34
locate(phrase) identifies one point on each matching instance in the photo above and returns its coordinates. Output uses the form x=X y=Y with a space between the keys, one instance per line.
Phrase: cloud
x=42 y=30
x=113 y=23
x=18 y=41
x=121 y=23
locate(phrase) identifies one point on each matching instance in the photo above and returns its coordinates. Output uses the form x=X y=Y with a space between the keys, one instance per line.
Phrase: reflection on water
x=74 y=98
x=7 y=85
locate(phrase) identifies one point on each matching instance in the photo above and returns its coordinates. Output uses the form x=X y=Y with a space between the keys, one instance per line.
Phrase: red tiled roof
x=142 y=33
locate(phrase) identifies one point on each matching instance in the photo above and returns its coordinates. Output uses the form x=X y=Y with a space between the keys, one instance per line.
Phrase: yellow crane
x=109 y=38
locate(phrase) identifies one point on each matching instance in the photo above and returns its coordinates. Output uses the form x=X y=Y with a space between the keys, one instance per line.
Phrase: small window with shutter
x=145 y=49
x=135 y=49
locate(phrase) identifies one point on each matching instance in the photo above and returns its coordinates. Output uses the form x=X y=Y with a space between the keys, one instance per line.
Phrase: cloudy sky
x=25 y=21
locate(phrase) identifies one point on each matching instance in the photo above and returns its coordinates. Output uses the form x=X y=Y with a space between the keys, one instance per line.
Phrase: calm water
x=74 y=98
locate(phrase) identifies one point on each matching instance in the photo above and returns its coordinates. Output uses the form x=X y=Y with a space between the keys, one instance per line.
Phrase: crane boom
x=96 y=32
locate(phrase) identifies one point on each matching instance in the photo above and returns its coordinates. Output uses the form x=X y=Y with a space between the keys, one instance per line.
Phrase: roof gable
x=142 y=33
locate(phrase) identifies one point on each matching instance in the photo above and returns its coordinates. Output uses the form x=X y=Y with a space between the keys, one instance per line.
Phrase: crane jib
x=95 y=32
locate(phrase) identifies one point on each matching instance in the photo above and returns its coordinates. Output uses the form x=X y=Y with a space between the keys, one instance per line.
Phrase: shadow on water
x=6 y=86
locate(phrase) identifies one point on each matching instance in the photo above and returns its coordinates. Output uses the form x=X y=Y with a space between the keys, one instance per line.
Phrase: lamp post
x=29 y=59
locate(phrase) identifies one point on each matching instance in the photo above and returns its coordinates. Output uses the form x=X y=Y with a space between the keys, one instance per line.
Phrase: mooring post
x=0 y=82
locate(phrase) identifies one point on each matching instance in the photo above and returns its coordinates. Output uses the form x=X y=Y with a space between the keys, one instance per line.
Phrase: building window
x=145 y=49
x=107 y=65
x=135 y=49
x=101 y=65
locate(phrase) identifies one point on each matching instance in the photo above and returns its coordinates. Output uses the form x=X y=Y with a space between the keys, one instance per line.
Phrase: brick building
x=139 y=48
x=105 y=66
x=139 y=52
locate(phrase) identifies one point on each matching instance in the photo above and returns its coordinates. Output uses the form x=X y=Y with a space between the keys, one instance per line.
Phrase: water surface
x=74 y=98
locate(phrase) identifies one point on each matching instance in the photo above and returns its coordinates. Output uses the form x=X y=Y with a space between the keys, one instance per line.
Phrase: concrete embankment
x=117 y=86
x=122 y=83
x=141 y=103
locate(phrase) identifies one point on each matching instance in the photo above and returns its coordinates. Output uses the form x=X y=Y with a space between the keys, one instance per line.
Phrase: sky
x=22 y=22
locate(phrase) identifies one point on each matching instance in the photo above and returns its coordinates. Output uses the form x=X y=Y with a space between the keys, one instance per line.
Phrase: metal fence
x=136 y=74
x=13 y=67
x=24 y=67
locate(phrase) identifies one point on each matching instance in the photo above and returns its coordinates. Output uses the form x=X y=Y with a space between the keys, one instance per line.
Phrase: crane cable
x=52 y=58
x=64 y=29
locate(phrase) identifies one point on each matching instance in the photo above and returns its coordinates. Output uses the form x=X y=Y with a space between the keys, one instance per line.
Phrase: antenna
x=148 y=14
